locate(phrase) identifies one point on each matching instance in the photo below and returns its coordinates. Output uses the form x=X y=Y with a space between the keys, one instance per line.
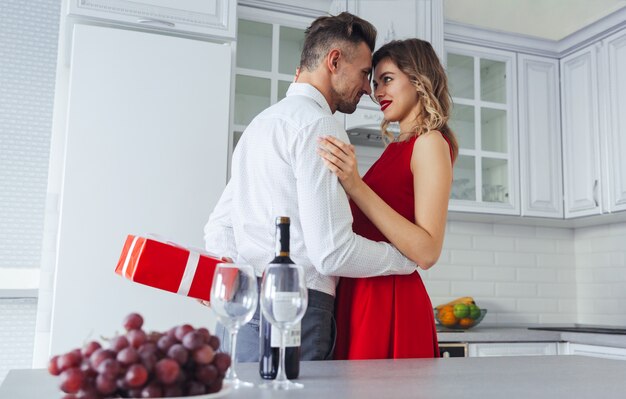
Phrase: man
x=277 y=172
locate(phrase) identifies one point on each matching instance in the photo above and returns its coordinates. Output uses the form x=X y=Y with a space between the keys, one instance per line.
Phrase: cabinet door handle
x=595 y=192
x=150 y=21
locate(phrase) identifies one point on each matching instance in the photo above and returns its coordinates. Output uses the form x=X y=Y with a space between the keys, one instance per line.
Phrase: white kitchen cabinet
x=211 y=18
x=145 y=151
x=513 y=349
x=269 y=45
x=606 y=352
x=402 y=19
x=484 y=119
x=581 y=140
x=612 y=67
x=540 y=137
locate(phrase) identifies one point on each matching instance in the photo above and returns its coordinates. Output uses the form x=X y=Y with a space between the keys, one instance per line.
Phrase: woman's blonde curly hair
x=418 y=60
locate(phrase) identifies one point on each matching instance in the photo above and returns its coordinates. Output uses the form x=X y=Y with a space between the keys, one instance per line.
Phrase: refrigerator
x=146 y=151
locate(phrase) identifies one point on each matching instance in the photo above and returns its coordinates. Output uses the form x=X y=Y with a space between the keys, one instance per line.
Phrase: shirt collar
x=306 y=89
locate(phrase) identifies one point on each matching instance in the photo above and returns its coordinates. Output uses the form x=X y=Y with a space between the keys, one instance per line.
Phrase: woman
x=403 y=199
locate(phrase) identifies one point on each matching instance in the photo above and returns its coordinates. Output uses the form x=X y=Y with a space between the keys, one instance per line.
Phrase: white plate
x=224 y=391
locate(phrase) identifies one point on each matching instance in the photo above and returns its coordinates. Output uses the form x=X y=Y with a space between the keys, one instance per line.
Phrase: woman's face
x=396 y=94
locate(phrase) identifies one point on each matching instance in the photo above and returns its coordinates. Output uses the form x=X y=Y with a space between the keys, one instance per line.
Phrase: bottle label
x=286 y=305
x=293 y=337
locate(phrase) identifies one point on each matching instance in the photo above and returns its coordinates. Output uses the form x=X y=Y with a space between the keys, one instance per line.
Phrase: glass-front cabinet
x=268 y=52
x=483 y=117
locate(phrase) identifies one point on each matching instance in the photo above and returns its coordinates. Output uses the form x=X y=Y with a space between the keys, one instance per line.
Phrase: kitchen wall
x=601 y=274
x=527 y=274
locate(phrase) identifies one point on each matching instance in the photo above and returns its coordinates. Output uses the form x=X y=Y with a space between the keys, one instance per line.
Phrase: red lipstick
x=384 y=104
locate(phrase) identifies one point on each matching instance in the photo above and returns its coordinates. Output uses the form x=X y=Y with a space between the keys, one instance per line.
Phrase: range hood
x=365 y=137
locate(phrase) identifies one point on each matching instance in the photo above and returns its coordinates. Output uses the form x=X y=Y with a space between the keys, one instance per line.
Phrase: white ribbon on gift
x=190 y=272
x=128 y=255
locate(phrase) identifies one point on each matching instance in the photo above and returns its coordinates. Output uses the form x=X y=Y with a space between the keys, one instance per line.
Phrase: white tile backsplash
x=527 y=274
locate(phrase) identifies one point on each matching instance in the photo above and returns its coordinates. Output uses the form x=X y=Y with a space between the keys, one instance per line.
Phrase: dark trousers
x=318 y=331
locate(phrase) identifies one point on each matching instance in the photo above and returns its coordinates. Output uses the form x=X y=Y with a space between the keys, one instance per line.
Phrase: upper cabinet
x=581 y=141
x=613 y=67
x=402 y=19
x=210 y=18
x=483 y=89
x=540 y=137
x=268 y=51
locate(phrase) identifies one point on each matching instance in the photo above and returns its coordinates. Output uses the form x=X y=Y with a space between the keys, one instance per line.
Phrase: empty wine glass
x=234 y=298
x=284 y=300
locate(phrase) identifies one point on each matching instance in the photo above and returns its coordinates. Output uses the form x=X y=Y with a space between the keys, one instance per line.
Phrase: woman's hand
x=340 y=158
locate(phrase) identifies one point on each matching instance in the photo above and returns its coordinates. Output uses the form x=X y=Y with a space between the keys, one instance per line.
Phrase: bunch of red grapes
x=180 y=362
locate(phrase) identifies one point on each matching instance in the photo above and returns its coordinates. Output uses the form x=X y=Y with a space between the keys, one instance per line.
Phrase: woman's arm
x=432 y=179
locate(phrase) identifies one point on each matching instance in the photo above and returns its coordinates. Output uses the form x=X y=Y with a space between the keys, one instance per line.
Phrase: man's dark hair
x=345 y=31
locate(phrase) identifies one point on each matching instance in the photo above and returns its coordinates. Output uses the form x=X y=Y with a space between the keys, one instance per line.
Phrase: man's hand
x=208 y=303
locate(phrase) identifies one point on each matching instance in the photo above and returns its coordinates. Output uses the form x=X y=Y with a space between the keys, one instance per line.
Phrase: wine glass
x=234 y=298
x=284 y=300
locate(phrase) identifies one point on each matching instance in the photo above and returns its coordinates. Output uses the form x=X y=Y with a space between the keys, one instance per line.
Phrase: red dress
x=386 y=317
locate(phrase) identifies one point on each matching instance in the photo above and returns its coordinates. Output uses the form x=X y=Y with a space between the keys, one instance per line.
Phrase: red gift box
x=167 y=266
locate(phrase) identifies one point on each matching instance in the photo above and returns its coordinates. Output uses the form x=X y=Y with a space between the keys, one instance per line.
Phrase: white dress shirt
x=277 y=172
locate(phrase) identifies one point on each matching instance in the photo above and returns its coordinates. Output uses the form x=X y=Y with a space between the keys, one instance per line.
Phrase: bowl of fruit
x=460 y=314
x=180 y=362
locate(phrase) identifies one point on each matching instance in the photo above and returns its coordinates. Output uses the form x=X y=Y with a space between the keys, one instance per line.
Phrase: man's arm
x=326 y=218
x=219 y=237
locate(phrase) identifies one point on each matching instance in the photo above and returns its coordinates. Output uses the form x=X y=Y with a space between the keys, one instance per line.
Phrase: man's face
x=352 y=79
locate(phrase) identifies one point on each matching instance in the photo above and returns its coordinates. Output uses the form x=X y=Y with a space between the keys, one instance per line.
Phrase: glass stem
x=231 y=374
x=282 y=376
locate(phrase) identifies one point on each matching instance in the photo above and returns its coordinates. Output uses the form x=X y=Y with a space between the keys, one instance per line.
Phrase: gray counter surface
x=520 y=334
x=523 y=377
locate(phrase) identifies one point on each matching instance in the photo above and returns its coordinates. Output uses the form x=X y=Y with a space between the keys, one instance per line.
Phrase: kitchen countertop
x=512 y=377
x=522 y=334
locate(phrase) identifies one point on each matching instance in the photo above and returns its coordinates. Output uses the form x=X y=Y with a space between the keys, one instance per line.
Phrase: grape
x=214 y=342
x=71 y=380
x=133 y=321
x=128 y=356
x=109 y=368
x=167 y=370
x=195 y=388
x=172 y=333
x=180 y=361
x=154 y=336
x=215 y=386
x=99 y=356
x=68 y=360
x=152 y=390
x=53 y=366
x=118 y=343
x=136 y=338
x=165 y=342
x=90 y=348
x=104 y=385
x=136 y=376
x=182 y=330
x=172 y=391
x=222 y=362
x=205 y=334
x=204 y=354
x=193 y=340
x=88 y=393
x=178 y=353
x=206 y=374
x=149 y=360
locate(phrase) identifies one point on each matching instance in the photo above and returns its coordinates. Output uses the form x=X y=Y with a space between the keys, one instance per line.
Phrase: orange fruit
x=446 y=317
x=466 y=322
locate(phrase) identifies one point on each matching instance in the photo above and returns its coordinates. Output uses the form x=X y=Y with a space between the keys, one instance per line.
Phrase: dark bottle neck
x=282 y=240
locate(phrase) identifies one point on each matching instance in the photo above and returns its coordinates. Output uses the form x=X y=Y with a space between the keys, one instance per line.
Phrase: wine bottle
x=269 y=336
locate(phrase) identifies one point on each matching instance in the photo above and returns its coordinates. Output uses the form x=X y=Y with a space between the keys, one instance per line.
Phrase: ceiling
x=548 y=19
